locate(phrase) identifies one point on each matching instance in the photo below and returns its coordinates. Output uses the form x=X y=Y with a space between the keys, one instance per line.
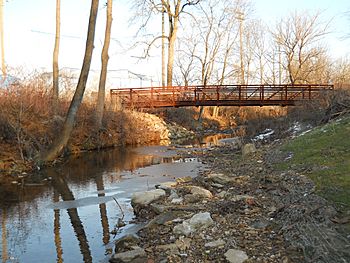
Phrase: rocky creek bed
x=241 y=210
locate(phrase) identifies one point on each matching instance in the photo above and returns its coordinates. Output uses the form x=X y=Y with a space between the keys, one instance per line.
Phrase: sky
x=30 y=26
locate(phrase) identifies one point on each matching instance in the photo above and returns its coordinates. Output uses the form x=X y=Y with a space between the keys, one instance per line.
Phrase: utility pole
x=240 y=17
x=3 y=66
x=163 y=48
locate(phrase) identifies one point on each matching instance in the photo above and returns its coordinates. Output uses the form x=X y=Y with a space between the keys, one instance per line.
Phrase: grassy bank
x=323 y=154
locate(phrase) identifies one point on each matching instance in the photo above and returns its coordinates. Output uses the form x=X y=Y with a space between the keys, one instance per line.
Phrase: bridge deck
x=217 y=95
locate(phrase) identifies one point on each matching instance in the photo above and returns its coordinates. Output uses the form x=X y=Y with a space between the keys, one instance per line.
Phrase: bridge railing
x=178 y=96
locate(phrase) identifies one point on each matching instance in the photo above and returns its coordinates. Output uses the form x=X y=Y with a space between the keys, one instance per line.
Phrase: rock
x=222 y=194
x=184 y=229
x=173 y=195
x=145 y=198
x=235 y=142
x=190 y=198
x=185 y=179
x=164 y=218
x=248 y=149
x=177 y=200
x=260 y=224
x=220 y=178
x=137 y=255
x=158 y=209
x=201 y=220
x=166 y=185
x=125 y=243
x=216 y=243
x=199 y=191
x=236 y=256
x=198 y=221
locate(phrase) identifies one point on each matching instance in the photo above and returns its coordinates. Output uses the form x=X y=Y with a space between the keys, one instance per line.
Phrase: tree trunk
x=171 y=50
x=3 y=66
x=163 y=49
x=104 y=60
x=62 y=139
x=55 y=88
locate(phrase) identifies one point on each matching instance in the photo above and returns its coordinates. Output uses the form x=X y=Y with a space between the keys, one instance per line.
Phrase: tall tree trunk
x=55 y=88
x=3 y=66
x=163 y=48
x=171 y=49
x=104 y=60
x=241 y=48
x=62 y=139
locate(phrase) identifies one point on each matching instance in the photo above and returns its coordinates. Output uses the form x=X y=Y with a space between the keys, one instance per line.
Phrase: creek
x=68 y=213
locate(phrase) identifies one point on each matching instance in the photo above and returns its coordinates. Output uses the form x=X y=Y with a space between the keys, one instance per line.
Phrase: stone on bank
x=196 y=222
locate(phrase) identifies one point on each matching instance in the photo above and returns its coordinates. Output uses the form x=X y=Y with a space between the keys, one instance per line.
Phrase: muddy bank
x=242 y=210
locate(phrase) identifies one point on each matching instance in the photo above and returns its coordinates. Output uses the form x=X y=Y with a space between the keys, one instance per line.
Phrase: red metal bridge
x=217 y=95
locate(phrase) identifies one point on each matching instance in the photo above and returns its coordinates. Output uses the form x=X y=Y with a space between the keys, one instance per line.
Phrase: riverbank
x=259 y=207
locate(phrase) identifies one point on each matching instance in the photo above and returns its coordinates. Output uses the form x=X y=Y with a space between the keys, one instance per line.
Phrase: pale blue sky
x=25 y=46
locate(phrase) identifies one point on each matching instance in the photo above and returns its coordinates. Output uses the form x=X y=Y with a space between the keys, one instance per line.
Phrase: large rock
x=126 y=243
x=140 y=200
x=198 y=221
x=137 y=255
x=199 y=191
x=248 y=149
x=220 y=178
x=236 y=256
x=145 y=198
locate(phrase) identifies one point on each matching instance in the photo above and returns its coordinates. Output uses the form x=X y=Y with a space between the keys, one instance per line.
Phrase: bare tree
x=55 y=71
x=173 y=9
x=259 y=47
x=299 y=36
x=104 y=61
x=185 y=64
x=62 y=139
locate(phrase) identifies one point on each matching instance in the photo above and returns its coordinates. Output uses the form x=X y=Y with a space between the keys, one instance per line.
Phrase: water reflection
x=63 y=214
x=4 y=254
x=56 y=225
x=66 y=194
x=103 y=210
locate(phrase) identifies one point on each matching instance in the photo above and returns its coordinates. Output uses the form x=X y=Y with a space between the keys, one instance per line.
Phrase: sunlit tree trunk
x=62 y=139
x=3 y=66
x=55 y=81
x=104 y=60
x=173 y=27
x=163 y=48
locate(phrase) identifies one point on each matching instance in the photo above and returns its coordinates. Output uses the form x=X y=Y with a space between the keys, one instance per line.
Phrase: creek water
x=67 y=213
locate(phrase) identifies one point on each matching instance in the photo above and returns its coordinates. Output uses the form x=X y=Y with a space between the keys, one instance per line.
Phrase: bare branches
x=298 y=36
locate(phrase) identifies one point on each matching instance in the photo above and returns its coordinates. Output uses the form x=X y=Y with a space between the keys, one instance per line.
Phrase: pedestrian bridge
x=217 y=95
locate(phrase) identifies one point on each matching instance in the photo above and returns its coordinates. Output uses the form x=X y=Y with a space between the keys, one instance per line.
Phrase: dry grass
x=28 y=125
